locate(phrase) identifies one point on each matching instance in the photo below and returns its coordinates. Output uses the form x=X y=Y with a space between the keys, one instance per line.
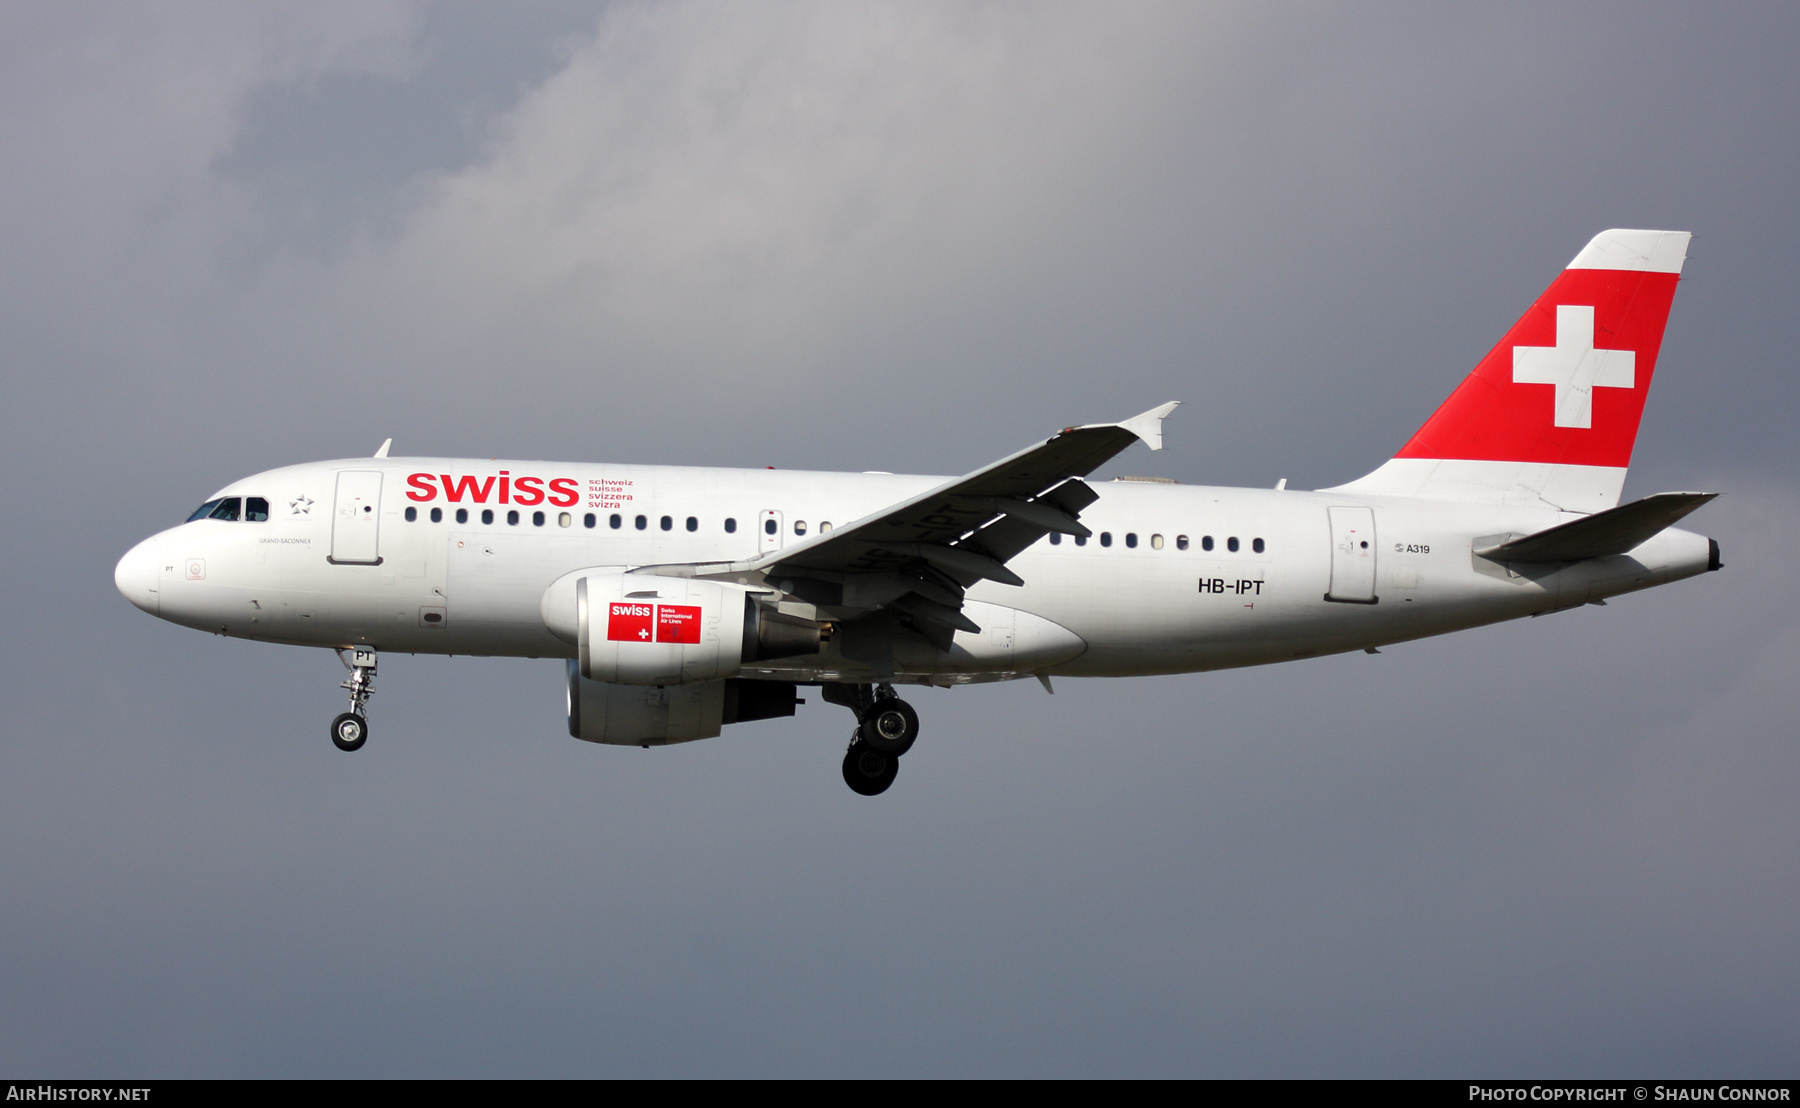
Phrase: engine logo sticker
x=629 y=622
x=678 y=623
x=665 y=623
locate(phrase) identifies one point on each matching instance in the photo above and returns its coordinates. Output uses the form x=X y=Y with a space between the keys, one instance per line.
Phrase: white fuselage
x=1144 y=595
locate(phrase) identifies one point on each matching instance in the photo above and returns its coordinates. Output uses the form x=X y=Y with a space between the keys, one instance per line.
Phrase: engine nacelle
x=648 y=629
x=644 y=715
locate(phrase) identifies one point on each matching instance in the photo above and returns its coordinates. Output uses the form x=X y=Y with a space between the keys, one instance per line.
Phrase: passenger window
x=730 y=526
x=1256 y=545
x=204 y=510
x=1181 y=542
x=1080 y=540
x=462 y=515
x=1206 y=542
x=256 y=509
x=799 y=527
x=563 y=519
x=693 y=524
x=1231 y=544
x=589 y=520
x=768 y=526
x=537 y=519
x=1106 y=538
x=1055 y=539
x=412 y=514
x=437 y=515
x=512 y=518
x=1131 y=539
x=615 y=521
x=227 y=509
x=667 y=524
x=641 y=522
x=487 y=515
x=1156 y=542
x=825 y=528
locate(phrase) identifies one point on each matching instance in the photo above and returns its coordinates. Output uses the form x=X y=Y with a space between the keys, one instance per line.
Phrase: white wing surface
x=918 y=556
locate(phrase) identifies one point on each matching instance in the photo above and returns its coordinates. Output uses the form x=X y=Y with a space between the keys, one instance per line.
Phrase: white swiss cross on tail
x=1574 y=366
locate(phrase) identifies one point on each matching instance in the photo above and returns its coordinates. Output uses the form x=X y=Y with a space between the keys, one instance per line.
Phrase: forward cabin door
x=1352 y=555
x=768 y=531
x=356 y=518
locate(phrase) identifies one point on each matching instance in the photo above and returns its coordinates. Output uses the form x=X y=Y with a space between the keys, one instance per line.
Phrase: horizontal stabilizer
x=1614 y=531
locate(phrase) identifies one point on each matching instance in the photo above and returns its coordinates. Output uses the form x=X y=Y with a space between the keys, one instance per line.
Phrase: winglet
x=385 y=443
x=1148 y=426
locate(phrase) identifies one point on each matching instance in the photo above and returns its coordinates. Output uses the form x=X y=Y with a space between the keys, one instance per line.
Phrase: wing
x=918 y=556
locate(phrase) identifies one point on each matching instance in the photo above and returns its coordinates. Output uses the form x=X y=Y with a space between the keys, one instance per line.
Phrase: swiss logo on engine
x=629 y=622
x=678 y=623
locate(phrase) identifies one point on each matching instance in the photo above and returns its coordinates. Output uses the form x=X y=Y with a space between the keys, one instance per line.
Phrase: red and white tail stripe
x=1551 y=414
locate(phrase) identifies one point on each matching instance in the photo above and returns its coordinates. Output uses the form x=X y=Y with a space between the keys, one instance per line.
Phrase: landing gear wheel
x=349 y=731
x=889 y=726
x=869 y=772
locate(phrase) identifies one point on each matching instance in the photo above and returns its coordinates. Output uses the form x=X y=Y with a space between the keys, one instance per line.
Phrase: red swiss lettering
x=528 y=490
x=455 y=488
x=629 y=623
x=422 y=488
x=563 y=492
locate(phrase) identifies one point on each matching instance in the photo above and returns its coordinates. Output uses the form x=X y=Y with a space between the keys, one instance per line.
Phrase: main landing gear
x=351 y=729
x=886 y=728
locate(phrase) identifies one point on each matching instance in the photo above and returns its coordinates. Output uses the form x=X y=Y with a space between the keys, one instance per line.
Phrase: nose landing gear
x=886 y=728
x=351 y=729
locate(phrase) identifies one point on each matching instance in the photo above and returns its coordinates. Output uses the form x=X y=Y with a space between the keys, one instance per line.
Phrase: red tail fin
x=1558 y=401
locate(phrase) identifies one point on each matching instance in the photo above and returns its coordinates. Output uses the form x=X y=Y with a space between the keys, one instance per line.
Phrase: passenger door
x=356 y=519
x=1352 y=555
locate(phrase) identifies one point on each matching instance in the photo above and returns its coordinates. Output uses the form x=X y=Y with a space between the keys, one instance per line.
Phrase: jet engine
x=644 y=715
x=649 y=629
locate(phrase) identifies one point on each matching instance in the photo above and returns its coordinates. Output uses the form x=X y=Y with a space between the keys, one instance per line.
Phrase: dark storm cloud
x=906 y=238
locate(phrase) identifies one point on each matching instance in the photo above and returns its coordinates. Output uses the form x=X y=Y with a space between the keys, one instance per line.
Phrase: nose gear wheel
x=351 y=729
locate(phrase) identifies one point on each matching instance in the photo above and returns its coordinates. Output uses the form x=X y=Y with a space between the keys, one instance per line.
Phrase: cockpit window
x=256 y=509
x=226 y=508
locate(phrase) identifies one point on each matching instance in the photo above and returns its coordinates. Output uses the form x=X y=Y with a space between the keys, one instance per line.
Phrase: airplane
x=682 y=600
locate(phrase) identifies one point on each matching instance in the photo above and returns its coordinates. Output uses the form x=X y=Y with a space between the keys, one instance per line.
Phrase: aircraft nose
x=137 y=574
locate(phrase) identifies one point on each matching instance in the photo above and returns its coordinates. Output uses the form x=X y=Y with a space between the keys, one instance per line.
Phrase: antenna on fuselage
x=385 y=443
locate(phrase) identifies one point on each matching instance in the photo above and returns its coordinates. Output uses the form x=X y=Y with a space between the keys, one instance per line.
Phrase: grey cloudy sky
x=908 y=237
